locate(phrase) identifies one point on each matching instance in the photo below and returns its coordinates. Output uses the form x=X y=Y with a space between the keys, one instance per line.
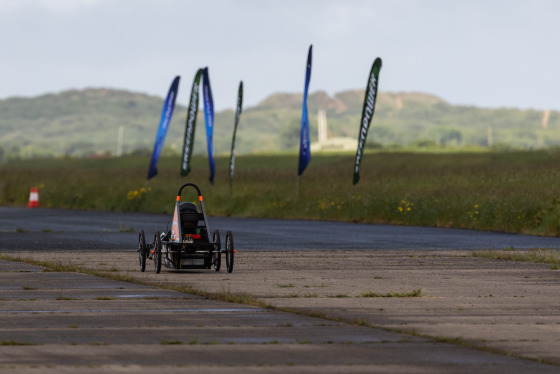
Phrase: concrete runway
x=71 y=322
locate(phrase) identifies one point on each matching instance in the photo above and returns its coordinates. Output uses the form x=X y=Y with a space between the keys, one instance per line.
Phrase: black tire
x=217 y=252
x=142 y=250
x=157 y=252
x=229 y=251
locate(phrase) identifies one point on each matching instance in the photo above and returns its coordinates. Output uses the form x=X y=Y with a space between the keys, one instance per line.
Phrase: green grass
x=536 y=255
x=414 y=293
x=171 y=342
x=287 y=285
x=500 y=191
x=14 y=342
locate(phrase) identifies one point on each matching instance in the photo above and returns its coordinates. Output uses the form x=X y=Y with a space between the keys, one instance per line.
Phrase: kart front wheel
x=142 y=250
x=157 y=252
x=229 y=251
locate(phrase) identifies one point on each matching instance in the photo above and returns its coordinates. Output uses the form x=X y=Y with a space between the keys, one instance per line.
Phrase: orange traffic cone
x=33 y=198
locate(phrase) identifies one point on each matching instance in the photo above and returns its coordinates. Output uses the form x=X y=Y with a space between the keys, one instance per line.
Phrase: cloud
x=471 y=52
x=9 y=6
x=52 y=6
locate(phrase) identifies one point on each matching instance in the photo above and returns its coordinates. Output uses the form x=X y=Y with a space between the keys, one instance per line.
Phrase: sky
x=486 y=53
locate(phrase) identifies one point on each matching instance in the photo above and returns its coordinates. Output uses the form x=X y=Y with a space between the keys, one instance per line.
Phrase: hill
x=87 y=122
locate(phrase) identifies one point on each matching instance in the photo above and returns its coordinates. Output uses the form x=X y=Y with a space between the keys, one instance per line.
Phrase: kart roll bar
x=189 y=184
x=199 y=199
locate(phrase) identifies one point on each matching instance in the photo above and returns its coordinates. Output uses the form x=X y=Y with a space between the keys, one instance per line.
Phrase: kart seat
x=189 y=214
x=192 y=221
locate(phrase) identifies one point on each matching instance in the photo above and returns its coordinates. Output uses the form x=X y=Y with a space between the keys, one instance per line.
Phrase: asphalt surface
x=53 y=229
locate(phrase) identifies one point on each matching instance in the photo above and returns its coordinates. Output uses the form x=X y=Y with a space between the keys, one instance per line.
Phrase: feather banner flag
x=367 y=114
x=166 y=114
x=304 y=147
x=237 y=115
x=190 y=125
x=209 y=118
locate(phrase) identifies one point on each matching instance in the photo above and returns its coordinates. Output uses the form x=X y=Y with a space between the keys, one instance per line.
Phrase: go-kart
x=187 y=245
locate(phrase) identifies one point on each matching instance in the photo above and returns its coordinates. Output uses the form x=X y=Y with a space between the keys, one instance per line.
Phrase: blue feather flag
x=304 y=147
x=209 y=118
x=166 y=114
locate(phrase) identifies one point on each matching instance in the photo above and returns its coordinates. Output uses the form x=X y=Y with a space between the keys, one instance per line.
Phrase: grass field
x=502 y=191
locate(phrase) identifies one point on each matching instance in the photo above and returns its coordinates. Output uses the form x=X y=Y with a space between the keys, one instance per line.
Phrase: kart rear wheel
x=157 y=252
x=142 y=250
x=229 y=251
x=217 y=252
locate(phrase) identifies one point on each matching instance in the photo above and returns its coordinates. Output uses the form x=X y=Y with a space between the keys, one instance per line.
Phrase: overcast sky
x=488 y=53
